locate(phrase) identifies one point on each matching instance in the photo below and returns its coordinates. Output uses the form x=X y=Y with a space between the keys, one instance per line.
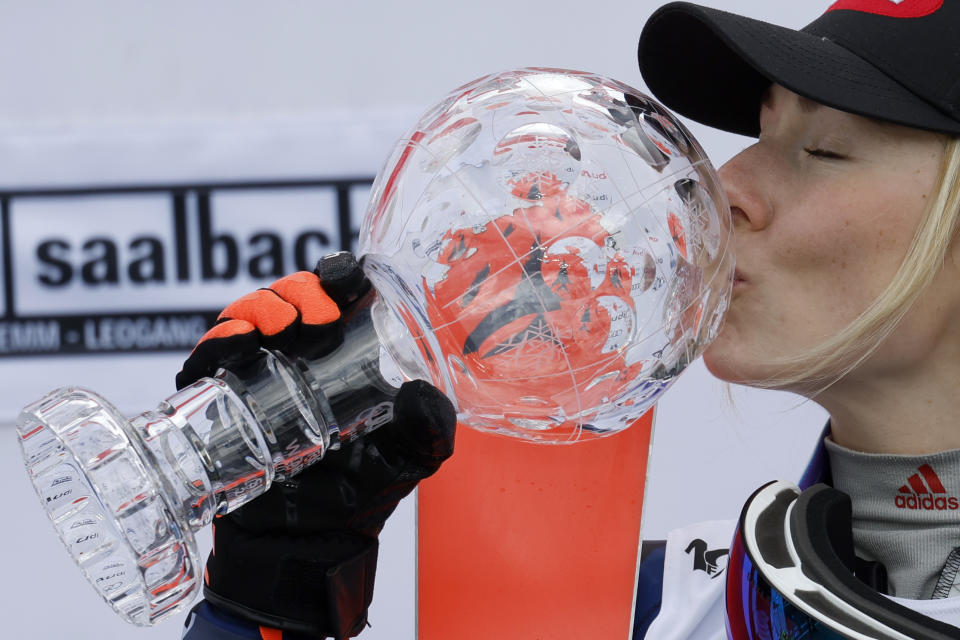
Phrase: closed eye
x=825 y=154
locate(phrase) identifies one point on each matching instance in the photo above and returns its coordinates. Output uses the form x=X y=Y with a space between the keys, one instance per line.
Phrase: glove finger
x=342 y=277
x=375 y=472
x=226 y=342
x=318 y=331
x=410 y=448
x=416 y=441
x=304 y=291
x=274 y=318
x=423 y=428
x=358 y=486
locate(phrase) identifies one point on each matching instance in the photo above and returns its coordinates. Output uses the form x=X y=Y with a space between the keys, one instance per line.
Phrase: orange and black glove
x=296 y=315
x=302 y=557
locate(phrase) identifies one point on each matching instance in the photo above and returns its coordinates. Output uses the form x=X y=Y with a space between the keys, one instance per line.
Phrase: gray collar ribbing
x=906 y=515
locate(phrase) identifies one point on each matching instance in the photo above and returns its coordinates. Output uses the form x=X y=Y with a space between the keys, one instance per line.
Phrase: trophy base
x=106 y=505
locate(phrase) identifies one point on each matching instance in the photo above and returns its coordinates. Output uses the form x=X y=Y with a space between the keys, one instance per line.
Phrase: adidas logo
x=925 y=491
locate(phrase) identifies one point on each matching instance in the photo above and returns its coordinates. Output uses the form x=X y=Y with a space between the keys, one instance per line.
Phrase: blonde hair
x=819 y=367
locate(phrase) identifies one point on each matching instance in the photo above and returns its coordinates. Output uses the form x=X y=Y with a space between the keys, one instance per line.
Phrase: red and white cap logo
x=890 y=8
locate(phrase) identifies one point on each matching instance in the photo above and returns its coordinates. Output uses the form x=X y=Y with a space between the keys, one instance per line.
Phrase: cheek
x=823 y=265
x=841 y=255
x=833 y=242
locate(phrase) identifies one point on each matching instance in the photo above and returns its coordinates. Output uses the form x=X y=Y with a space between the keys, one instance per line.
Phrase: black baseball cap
x=893 y=60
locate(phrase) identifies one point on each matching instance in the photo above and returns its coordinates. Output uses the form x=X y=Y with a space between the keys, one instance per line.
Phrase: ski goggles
x=790 y=575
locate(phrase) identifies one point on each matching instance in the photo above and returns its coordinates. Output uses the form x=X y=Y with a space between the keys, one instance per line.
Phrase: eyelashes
x=824 y=154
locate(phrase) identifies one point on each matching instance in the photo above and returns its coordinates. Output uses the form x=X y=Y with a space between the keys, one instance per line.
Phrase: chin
x=748 y=373
x=726 y=362
x=721 y=367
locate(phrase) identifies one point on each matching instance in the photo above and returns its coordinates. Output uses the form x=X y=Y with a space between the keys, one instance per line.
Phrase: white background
x=259 y=83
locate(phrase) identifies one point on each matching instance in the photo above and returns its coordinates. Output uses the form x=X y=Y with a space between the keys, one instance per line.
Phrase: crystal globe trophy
x=549 y=248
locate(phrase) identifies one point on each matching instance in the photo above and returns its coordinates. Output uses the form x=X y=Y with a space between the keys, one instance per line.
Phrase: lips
x=739 y=280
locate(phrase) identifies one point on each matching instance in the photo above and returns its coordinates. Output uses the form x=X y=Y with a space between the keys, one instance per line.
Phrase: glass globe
x=551 y=249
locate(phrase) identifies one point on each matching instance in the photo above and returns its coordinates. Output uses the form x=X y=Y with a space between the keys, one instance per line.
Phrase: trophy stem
x=127 y=496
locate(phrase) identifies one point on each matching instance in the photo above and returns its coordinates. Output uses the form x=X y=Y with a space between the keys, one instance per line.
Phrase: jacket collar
x=818 y=469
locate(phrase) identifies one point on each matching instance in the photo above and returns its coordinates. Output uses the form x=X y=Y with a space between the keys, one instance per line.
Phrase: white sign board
x=133 y=239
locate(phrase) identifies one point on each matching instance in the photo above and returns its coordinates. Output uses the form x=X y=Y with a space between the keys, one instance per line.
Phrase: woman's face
x=824 y=207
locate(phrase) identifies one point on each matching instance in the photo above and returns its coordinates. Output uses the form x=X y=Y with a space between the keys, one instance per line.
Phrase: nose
x=744 y=180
